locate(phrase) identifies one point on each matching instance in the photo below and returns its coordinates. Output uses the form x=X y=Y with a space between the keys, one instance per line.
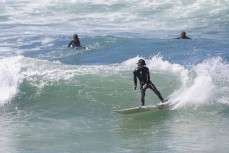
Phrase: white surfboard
x=81 y=47
x=142 y=108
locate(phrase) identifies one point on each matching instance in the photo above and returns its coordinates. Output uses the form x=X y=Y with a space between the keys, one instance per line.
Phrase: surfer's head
x=75 y=37
x=141 y=63
x=183 y=34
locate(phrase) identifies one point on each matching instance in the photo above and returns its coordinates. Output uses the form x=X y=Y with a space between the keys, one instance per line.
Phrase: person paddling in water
x=75 y=43
x=142 y=73
x=183 y=36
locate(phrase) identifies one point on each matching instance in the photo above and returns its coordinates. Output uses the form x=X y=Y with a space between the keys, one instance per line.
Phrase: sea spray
x=10 y=78
x=208 y=83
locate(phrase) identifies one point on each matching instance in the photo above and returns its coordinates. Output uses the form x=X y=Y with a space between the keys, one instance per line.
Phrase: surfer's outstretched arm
x=69 y=45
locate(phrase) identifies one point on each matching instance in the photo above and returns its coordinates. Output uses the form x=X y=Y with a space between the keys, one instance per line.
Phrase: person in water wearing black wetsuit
x=142 y=73
x=75 y=43
x=183 y=35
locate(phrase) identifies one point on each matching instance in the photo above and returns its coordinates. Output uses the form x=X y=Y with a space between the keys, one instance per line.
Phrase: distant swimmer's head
x=141 y=63
x=183 y=34
x=75 y=36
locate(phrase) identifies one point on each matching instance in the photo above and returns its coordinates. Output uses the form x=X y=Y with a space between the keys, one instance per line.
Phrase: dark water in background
x=56 y=99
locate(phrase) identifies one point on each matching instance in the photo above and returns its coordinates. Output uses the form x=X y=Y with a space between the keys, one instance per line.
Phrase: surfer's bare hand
x=134 y=88
x=144 y=86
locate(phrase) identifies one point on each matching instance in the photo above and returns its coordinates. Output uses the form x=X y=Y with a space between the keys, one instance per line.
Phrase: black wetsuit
x=144 y=78
x=74 y=43
x=184 y=37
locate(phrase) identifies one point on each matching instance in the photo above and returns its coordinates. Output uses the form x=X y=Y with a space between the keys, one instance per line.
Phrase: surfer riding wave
x=142 y=73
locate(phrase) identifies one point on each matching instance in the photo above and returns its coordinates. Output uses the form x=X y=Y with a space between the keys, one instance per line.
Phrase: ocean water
x=54 y=99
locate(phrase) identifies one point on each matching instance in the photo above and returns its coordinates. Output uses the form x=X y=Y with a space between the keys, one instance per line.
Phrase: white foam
x=199 y=92
x=47 y=41
x=10 y=78
x=208 y=85
x=143 y=17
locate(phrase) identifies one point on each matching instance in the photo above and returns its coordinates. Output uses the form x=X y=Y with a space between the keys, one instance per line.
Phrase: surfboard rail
x=141 y=109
